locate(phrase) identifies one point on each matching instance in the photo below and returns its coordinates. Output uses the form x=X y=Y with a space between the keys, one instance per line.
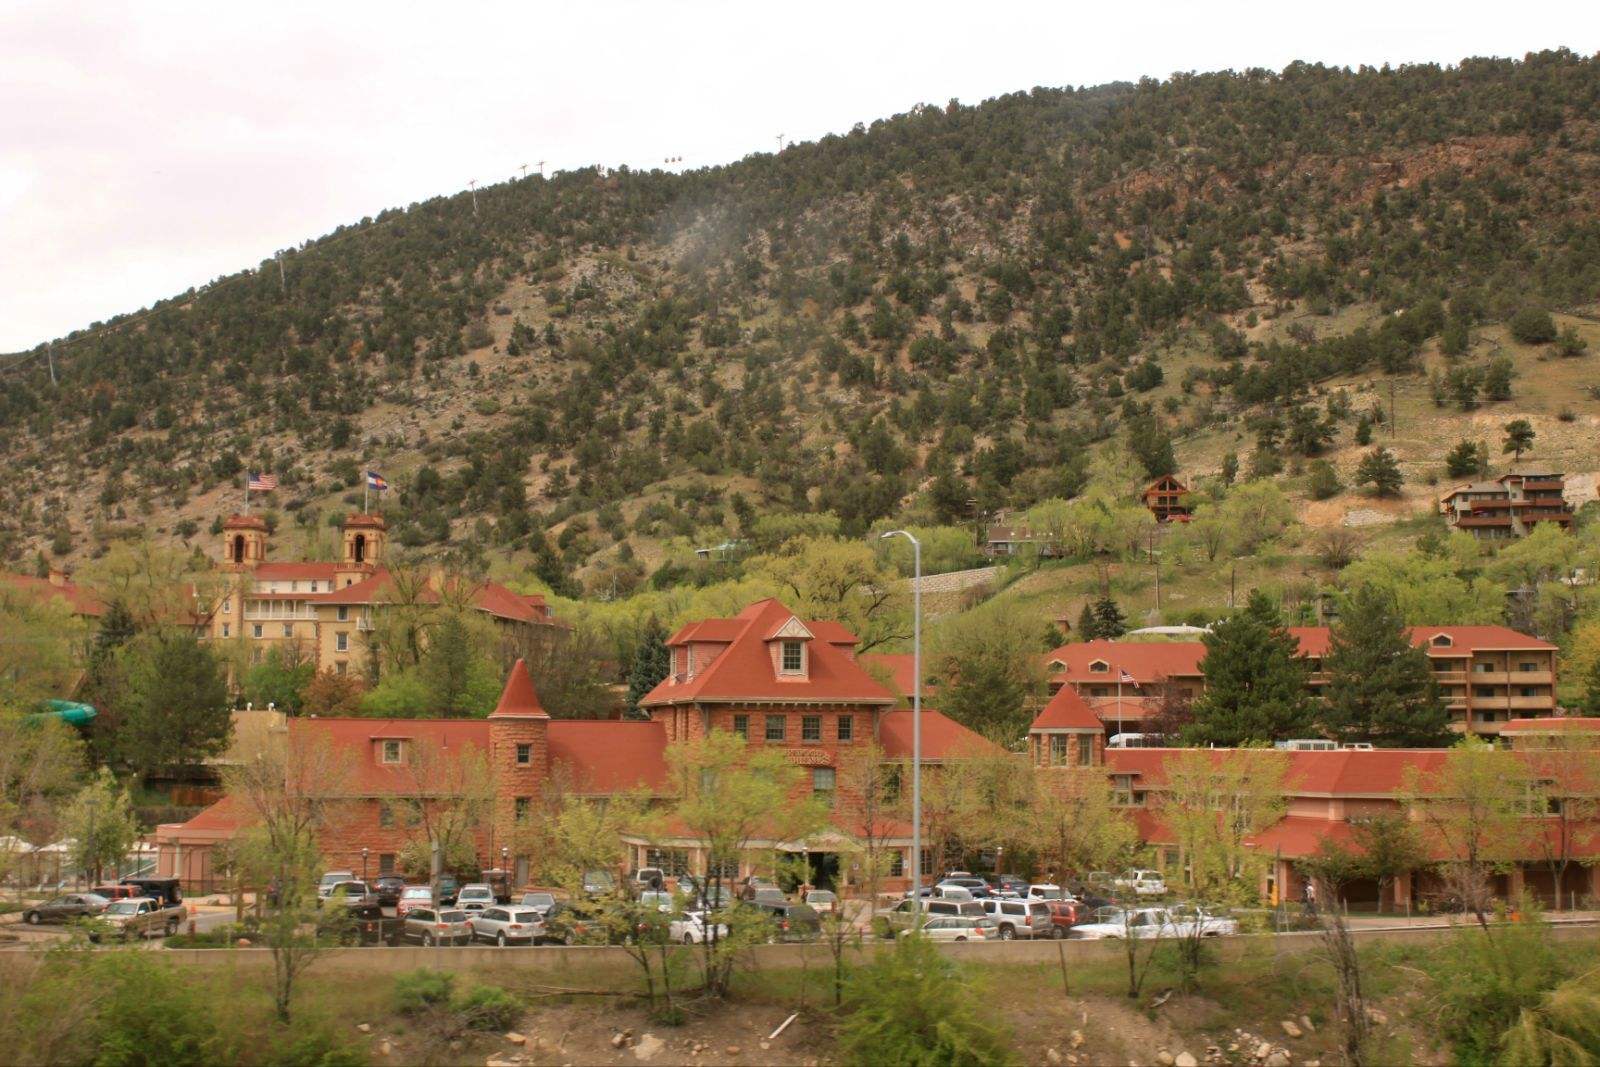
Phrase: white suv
x=475 y=897
x=1144 y=883
x=1018 y=918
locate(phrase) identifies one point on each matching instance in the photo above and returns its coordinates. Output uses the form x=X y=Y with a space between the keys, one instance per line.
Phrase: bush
x=1533 y=326
x=1486 y=980
x=417 y=991
x=314 y=1048
x=488 y=1007
x=909 y=1007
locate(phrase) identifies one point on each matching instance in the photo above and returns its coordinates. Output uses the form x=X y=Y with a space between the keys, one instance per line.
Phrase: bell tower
x=519 y=750
x=365 y=538
x=244 y=542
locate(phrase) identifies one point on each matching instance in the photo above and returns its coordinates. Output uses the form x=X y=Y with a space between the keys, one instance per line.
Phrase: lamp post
x=363 y=864
x=916 y=725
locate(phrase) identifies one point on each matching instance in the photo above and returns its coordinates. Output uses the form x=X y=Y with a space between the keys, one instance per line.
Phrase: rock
x=1185 y=1059
x=765 y=1045
x=1263 y=1050
x=385 y=1048
x=732 y=1050
x=1278 y=1058
x=1292 y=1028
x=618 y=1040
x=1376 y=1017
x=1052 y=1056
x=1077 y=1039
x=1165 y=1058
x=516 y=1038
x=243 y=942
x=648 y=1047
x=365 y=1028
x=1307 y=1025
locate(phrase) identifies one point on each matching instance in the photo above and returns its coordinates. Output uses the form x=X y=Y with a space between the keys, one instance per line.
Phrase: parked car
x=649 y=878
x=539 y=900
x=448 y=888
x=754 y=884
x=958 y=928
x=413 y=896
x=597 y=882
x=575 y=922
x=66 y=908
x=164 y=890
x=1140 y=923
x=691 y=928
x=475 y=897
x=361 y=923
x=508 y=925
x=331 y=879
x=351 y=892
x=899 y=917
x=1009 y=885
x=1144 y=883
x=387 y=888
x=767 y=894
x=428 y=926
x=139 y=917
x=1018 y=918
x=1186 y=917
x=823 y=901
x=1044 y=891
x=663 y=900
x=116 y=892
x=976 y=887
x=790 y=922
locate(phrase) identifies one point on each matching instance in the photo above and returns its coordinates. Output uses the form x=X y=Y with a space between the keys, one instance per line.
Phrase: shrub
x=488 y=1007
x=314 y=1048
x=1533 y=326
x=1485 y=981
x=417 y=991
x=909 y=1007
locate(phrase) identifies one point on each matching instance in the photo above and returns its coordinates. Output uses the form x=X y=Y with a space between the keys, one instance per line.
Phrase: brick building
x=58 y=586
x=764 y=675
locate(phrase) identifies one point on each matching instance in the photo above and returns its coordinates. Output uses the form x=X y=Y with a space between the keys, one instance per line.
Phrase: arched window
x=359 y=548
x=238 y=548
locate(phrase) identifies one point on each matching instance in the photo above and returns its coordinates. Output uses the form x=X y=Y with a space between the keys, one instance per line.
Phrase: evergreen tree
x=1230 y=468
x=1380 y=686
x=1363 y=434
x=1088 y=625
x=176 y=712
x=116 y=629
x=1381 y=471
x=652 y=662
x=1255 y=681
x=1518 y=439
x=1467 y=460
x=1109 y=622
x=1323 y=480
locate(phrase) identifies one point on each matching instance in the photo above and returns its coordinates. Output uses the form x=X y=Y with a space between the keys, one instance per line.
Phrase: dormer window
x=390 y=750
x=794 y=657
x=1099 y=666
x=1442 y=641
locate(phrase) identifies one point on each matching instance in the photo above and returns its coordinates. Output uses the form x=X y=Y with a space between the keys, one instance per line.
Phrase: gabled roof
x=942 y=737
x=79 y=600
x=1067 y=711
x=519 y=700
x=743 y=671
x=490 y=598
x=296 y=571
x=1315 y=640
x=606 y=756
x=1146 y=661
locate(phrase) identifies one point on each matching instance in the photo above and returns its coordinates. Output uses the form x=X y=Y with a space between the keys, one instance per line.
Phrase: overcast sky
x=149 y=147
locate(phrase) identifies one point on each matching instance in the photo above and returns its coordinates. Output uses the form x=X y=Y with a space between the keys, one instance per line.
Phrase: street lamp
x=363 y=864
x=916 y=724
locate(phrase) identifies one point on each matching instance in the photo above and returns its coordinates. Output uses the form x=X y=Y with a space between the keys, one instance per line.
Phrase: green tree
x=176 y=712
x=101 y=824
x=1571 y=345
x=652 y=662
x=909 y=1008
x=1428 y=588
x=1380 y=686
x=1518 y=439
x=825 y=578
x=1533 y=326
x=1380 y=470
x=1323 y=481
x=280 y=679
x=1467 y=460
x=1497 y=379
x=990 y=671
x=1109 y=622
x=460 y=674
x=1255 y=681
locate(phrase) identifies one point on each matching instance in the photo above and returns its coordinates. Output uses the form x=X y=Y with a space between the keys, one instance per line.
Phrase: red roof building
x=78 y=600
x=1066 y=732
x=1508 y=507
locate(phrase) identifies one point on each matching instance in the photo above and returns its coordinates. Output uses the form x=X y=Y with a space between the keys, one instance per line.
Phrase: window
x=725 y=869
x=1483 y=692
x=227 y=605
x=523 y=804
x=1527 y=666
x=1442 y=641
x=897 y=864
x=1058 y=748
x=344 y=613
x=811 y=728
x=741 y=726
x=927 y=861
x=255 y=631
x=1085 y=750
x=847 y=727
x=1527 y=691
x=793 y=657
x=1099 y=666
x=224 y=629
x=385 y=816
x=340 y=667
x=775 y=727
x=822 y=780
x=341 y=642
x=674 y=862
x=391 y=751
x=1483 y=667
x=288 y=629
x=524 y=754
x=386 y=863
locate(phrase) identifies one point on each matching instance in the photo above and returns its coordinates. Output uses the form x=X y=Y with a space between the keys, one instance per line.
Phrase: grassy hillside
x=942 y=314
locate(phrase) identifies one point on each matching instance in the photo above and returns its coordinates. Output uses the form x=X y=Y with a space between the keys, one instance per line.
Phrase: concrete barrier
x=580 y=964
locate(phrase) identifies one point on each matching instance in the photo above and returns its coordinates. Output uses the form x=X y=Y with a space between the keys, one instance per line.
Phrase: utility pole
x=473 y=185
x=283 y=282
x=50 y=355
x=780 y=142
x=541 y=168
x=524 y=171
x=1233 y=573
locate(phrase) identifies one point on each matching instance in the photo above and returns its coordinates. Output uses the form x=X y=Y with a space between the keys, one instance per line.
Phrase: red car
x=1064 y=915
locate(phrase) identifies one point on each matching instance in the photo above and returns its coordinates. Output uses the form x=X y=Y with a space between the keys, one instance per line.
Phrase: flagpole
x=247 y=492
x=1119 y=700
x=366 y=490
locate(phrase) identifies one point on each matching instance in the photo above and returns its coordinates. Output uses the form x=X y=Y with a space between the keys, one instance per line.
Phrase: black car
x=790 y=922
x=363 y=923
x=386 y=887
x=1009 y=883
x=65 y=908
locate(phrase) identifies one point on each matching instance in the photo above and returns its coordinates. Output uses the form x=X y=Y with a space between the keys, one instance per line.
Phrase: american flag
x=263 y=483
x=1126 y=679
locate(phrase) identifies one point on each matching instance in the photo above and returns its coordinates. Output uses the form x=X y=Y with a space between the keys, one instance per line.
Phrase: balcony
x=1512 y=678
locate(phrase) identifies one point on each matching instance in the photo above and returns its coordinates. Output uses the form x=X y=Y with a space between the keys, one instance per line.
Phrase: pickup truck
x=139 y=917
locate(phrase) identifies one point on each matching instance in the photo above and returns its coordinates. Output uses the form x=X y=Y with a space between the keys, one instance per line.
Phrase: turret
x=365 y=538
x=519 y=746
x=244 y=542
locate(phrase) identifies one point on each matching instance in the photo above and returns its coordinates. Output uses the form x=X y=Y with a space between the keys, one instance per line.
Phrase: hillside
x=942 y=313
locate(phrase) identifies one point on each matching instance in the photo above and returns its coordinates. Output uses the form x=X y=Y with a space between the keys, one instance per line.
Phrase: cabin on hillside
x=1166 y=497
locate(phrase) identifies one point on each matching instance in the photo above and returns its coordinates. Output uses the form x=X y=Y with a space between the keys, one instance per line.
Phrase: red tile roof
x=289 y=571
x=1130 y=710
x=358 y=737
x=1552 y=724
x=1297 y=836
x=743 y=671
x=519 y=700
x=489 y=597
x=79 y=600
x=1345 y=772
x=942 y=737
x=1146 y=661
x=1315 y=641
x=605 y=756
x=1067 y=711
x=899 y=666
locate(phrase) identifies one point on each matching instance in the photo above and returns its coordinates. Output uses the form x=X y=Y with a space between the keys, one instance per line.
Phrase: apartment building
x=1509 y=506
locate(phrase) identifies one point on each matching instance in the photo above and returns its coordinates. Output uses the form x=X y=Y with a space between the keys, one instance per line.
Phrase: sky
x=147 y=148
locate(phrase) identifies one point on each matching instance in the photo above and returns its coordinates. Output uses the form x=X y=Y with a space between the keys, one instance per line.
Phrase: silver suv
x=475 y=897
x=429 y=927
x=508 y=926
x=899 y=917
x=1018 y=918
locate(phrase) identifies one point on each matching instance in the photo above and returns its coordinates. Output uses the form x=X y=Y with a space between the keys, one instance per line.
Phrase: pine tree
x=652 y=662
x=1518 y=439
x=1466 y=460
x=1108 y=618
x=1255 y=681
x=1088 y=625
x=1380 y=470
x=1380 y=687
